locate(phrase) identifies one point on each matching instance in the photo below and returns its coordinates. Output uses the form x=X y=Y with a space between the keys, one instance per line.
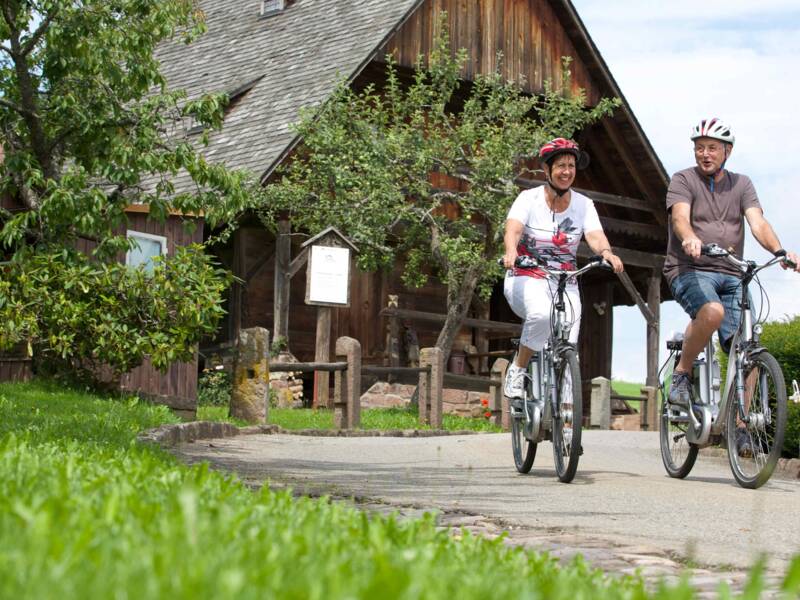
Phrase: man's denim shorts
x=693 y=289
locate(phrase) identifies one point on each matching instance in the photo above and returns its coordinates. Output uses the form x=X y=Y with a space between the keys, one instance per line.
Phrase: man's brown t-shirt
x=716 y=217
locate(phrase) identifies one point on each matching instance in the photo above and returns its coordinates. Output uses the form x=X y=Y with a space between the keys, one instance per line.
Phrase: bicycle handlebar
x=717 y=251
x=530 y=262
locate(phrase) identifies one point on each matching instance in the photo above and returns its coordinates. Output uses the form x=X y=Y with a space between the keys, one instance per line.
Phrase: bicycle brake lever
x=713 y=250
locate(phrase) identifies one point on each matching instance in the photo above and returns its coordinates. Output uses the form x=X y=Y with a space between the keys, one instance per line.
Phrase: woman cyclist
x=547 y=223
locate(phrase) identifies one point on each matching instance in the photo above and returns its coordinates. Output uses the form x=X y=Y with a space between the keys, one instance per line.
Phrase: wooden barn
x=275 y=57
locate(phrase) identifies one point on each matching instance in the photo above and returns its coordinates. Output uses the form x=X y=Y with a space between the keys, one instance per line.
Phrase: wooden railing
x=429 y=377
x=601 y=405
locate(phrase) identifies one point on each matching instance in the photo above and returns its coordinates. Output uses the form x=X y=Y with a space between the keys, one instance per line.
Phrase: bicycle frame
x=546 y=358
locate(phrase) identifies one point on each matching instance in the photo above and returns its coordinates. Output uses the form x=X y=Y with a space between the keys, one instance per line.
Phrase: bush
x=214 y=388
x=82 y=315
x=782 y=339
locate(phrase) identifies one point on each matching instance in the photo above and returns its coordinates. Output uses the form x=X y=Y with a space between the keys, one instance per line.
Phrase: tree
x=88 y=126
x=367 y=161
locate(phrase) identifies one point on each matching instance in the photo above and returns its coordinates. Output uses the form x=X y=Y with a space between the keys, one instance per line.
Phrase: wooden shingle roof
x=286 y=61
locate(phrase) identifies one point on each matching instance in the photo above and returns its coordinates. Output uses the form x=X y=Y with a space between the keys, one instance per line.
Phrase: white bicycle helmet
x=713 y=128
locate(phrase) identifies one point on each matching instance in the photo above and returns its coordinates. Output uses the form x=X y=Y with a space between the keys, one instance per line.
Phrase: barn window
x=270 y=7
x=147 y=247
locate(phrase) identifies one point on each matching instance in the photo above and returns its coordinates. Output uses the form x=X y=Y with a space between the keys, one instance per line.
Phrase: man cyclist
x=547 y=222
x=709 y=204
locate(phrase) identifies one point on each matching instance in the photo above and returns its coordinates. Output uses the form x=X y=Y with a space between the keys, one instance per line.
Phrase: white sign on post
x=329 y=275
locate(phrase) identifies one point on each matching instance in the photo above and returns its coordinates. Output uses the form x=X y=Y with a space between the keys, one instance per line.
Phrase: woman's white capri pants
x=531 y=300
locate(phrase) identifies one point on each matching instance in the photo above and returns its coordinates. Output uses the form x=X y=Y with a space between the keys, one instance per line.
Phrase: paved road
x=621 y=493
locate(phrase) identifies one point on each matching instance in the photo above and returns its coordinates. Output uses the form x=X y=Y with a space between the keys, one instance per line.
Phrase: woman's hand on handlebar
x=509 y=257
x=614 y=261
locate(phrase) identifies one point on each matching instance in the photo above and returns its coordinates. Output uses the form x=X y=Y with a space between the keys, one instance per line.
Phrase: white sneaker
x=515 y=382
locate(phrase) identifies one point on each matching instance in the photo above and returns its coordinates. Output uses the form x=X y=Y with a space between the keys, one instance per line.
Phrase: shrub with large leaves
x=87 y=314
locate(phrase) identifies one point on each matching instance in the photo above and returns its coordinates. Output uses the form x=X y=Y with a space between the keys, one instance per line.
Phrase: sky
x=679 y=61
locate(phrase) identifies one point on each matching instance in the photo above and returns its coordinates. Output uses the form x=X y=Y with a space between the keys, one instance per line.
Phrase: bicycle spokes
x=755 y=439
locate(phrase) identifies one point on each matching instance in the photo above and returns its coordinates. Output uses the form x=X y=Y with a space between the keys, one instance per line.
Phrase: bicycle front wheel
x=677 y=454
x=567 y=422
x=755 y=443
x=523 y=449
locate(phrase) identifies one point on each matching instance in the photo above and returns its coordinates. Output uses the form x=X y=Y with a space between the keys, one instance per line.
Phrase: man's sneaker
x=515 y=382
x=680 y=392
x=744 y=447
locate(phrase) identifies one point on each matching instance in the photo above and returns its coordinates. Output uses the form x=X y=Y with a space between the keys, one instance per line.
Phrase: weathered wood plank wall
x=526 y=32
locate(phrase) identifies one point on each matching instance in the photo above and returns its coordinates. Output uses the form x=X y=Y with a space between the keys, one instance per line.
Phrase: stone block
x=454 y=396
x=631 y=422
x=251 y=376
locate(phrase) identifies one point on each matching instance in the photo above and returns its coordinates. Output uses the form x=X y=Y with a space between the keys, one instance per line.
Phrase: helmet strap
x=718 y=171
x=558 y=191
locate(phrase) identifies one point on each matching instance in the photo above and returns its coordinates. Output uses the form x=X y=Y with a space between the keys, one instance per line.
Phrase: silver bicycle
x=748 y=415
x=552 y=405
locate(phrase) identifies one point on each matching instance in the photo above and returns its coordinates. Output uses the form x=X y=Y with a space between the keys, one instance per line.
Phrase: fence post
x=347 y=401
x=500 y=414
x=650 y=414
x=250 y=394
x=601 y=404
x=430 y=387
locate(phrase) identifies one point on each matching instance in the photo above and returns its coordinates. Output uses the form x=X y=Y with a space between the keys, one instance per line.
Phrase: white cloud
x=679 y=61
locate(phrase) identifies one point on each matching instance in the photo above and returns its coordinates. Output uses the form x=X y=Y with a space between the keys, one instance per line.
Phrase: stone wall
x=454 y=402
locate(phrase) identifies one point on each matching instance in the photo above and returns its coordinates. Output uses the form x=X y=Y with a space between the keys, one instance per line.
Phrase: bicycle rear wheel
x=761 y=440
x=677 y=454
x=567 y=423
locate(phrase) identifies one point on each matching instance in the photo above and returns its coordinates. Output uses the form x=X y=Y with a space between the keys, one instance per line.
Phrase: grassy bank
x=373 y=418
x=86 y=512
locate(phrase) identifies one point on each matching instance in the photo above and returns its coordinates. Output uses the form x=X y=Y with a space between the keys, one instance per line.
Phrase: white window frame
x=270 y=7
x=162 y=240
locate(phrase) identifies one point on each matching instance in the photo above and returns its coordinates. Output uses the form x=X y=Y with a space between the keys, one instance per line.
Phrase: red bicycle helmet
x=563 y=146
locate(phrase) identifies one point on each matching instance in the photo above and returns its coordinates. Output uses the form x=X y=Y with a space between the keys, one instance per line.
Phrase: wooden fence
x=429 y=377
x=13 y=368
x=603 y=399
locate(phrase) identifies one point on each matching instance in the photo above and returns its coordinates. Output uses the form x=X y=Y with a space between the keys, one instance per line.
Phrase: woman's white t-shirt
x=551 y=237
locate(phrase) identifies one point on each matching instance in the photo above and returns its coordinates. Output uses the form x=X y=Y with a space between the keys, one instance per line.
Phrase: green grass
x=626 y=388
x=373 y=418
x=87 y=512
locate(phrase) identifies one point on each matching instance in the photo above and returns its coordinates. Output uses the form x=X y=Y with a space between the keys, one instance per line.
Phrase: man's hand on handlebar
x=692 y=246
x=791 y=261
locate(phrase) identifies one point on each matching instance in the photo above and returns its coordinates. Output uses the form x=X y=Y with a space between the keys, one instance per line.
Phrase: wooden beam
x=282 y=282
x=651 y=232
x=237 y=289
x=261 y=261
x=634 y=294
x=633 y=168
x=602 y=197
x=298 y=262
x=654 y=303
x=322 y=354
x=634 y=258
x=427 y=317
x=600 y=156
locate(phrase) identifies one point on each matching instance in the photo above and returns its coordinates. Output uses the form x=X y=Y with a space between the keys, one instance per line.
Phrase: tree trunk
x=459 y=298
